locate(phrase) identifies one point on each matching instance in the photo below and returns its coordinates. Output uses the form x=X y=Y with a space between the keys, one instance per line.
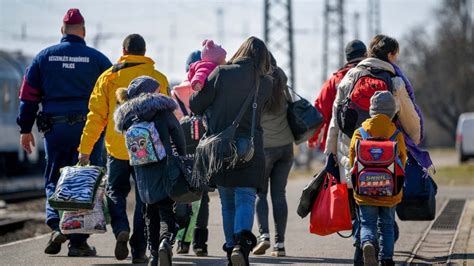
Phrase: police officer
x=61 y=79
x=102 y=104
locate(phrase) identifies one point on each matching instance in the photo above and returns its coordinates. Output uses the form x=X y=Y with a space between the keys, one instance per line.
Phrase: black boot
x=200 y=240
x=229 y=254
x=153 y=258
x=165 y=253
x=54 y=243
x=81 y=250
x=245 y=241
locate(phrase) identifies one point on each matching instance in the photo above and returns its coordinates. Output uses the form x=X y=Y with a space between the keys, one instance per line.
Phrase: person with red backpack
x=356 y=51
x=377 y=155
x=351 y=106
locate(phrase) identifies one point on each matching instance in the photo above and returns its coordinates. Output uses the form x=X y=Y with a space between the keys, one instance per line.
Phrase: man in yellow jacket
x=102 y=105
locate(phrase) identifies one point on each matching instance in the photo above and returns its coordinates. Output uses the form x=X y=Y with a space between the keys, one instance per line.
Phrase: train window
x=6 y=97
x=15 y=95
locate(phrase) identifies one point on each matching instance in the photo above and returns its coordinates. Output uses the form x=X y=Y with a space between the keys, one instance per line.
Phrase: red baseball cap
x=73 y=16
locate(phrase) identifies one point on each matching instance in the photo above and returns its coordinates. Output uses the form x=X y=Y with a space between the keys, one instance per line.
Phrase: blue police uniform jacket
x=61 y=78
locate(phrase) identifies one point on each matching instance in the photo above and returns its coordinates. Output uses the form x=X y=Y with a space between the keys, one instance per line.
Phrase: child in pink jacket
x=212 y=55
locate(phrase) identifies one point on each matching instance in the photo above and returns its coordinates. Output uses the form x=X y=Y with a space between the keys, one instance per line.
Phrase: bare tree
x=442 y=66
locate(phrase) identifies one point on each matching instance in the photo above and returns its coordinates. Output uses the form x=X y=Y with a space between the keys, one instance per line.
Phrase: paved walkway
x=302 y=247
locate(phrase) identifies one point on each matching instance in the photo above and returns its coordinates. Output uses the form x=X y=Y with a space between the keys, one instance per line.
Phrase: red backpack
x=378 y=170
x=355 y=108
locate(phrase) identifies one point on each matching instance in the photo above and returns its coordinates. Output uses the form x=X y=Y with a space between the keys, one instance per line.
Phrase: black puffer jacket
x=153 y=180
x=220 y=100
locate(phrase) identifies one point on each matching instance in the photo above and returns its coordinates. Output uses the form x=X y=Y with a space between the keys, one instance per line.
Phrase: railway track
x=21 y=188
x=23 y=195
x=10 y=224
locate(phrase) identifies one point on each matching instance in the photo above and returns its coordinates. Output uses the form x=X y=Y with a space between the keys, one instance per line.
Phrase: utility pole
x=356 y=25
x=220 y=25
x=373 y=18
x=278 y=35
x=333 y=33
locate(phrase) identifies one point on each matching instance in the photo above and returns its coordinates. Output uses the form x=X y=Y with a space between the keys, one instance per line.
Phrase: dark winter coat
x=153 y=180
x=220 y=100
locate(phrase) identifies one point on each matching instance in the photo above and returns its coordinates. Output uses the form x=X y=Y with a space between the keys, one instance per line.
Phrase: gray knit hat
x=142 y=84
x=383 y=102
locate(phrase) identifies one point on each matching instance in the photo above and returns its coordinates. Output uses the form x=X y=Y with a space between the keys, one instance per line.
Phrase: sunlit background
x=172 y=29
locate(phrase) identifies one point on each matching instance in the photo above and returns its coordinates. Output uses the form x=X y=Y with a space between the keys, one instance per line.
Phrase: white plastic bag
x=86 y=221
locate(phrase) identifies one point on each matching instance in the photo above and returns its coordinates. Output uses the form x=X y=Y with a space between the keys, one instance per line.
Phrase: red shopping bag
x=330 y=212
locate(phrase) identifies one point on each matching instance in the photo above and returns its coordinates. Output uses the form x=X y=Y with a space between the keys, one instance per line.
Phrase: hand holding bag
x=303 y=118
x=331 y=212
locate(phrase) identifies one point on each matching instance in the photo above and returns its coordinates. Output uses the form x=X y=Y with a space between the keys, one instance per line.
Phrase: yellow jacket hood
x=103 y=102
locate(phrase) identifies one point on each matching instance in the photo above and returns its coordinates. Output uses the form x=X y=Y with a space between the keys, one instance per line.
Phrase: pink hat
x=212 y=52
x=73 y=16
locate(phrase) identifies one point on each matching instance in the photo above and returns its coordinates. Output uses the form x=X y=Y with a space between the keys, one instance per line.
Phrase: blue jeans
x=238 y=209
x=278 y=162
x=368 y=228
x=119 y=172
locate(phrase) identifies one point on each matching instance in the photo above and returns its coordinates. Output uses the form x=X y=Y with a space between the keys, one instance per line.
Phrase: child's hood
x=145 y=107
x=379 y=126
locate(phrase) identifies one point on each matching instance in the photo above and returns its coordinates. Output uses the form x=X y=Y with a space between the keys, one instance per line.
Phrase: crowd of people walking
x=95 y=102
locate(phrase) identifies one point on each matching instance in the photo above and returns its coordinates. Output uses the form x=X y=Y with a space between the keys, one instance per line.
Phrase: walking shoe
x=183 y=247
x=358 y=257
x=121 y=245
x=263 y=243
x=54 y=243
x=165 y=253
x=200 y=251
x=199 y=242
x=153 y=258
x=139 y=257
x=81 y=250
x=368 y=251
x=245 y=242
x=387 y=262
x=279 y=250
x=228 y=250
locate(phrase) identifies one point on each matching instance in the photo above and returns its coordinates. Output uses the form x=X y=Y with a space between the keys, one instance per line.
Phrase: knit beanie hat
x=193 y=57
x=383 y=102
x=212 y=52
x=142 y=84
x=355 y=49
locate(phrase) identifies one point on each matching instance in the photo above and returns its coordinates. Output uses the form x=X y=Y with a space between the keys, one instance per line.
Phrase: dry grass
x=455 y=175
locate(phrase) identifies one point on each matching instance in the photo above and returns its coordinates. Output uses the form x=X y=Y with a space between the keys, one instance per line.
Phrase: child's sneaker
x=279 y=250
x=368 y=250
x=263 y=243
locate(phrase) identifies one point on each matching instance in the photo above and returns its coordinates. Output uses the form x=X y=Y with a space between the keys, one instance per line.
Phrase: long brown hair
x=256 y=49
x=279 y=85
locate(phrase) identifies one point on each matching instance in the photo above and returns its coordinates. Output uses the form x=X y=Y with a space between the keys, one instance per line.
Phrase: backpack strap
x=394 y=136
x=181 y=105
x=364 y=134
